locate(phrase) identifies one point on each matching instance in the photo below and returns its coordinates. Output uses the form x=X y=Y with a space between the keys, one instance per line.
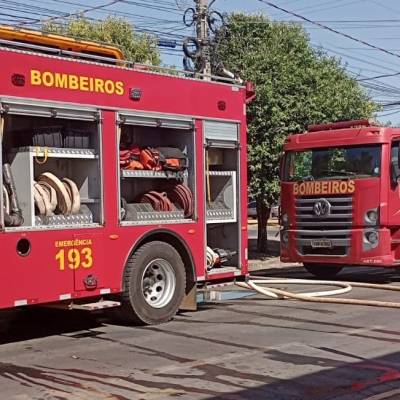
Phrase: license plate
x=321 y=244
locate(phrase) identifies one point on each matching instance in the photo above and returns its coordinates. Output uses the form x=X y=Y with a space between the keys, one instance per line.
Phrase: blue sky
x=374 y=21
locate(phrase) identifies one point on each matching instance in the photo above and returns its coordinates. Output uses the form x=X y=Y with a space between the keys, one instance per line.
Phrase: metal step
x=98 y=305
x=208 y=296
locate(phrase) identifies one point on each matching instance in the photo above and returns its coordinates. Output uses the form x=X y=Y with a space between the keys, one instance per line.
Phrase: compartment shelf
x=220 y=215
x=152 y=174
x=144 y=212
x=58 y=152
x=59 y=220
x=222 y=173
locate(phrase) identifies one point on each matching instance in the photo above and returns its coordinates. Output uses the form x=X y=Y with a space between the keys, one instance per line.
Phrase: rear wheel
x=323 y=271
x=154 y=284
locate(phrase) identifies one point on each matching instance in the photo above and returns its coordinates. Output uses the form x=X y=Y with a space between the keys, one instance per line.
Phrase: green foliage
x=296 y=86
x=113 y=31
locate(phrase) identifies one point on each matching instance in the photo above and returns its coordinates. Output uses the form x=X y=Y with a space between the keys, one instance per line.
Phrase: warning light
x=18 y=80
x=135 y=94
x=222 y=105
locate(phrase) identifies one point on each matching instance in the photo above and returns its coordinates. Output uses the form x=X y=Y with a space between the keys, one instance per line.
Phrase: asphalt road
x=272 y=231
x=240 y=349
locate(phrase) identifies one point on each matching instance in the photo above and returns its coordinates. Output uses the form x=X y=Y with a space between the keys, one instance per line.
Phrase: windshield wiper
x=303 y=178
x=337 y=172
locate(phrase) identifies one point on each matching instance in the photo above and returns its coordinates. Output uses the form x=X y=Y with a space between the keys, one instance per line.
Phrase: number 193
x=74 y=258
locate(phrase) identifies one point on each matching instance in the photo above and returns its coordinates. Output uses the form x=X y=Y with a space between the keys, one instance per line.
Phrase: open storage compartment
x=157 y=169
x=54 y=155
x=222 y=200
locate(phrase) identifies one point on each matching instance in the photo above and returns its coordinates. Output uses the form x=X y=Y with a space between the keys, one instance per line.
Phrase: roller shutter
x=220 y=131
x=48 y=110
x=156 y=122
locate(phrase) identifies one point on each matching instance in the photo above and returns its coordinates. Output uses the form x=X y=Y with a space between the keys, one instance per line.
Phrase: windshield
x=333 y=163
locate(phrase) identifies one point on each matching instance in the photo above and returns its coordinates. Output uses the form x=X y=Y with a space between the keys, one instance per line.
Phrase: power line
x=328 y=28
x=378 y=77
x=68 y=15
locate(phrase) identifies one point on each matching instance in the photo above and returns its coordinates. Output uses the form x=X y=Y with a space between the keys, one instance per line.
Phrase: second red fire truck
x=341 y=198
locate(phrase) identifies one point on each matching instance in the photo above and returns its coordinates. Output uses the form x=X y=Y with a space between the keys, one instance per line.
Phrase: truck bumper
x=357 y=252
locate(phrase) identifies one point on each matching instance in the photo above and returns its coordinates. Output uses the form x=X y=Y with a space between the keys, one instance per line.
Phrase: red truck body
x=342 y=205
x=36 y=265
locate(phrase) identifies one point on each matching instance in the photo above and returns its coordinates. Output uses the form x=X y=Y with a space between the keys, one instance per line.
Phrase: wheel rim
x=158 y=283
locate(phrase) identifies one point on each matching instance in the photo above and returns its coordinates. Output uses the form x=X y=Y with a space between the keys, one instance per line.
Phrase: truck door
x=87 y=258
x=1 y=175
x=394 y=188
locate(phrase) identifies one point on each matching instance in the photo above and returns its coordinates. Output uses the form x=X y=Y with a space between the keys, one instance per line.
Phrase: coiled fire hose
x=255 y=282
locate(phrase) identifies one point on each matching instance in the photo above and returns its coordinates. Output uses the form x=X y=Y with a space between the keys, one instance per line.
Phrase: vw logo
x=322 y=208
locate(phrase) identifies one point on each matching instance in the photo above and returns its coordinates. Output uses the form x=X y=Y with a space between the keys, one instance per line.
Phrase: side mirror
x=282 y=166
x=394 y=172
x=398 y=154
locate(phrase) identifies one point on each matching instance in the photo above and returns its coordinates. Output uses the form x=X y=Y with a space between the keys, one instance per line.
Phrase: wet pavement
x=239 y=349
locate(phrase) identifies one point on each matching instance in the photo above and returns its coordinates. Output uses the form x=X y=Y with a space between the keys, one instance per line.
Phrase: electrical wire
x=378 y=77
x=328 y=28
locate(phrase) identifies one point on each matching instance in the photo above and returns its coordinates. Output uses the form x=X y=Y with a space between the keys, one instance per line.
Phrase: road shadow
x=35 y=323
x=359 y=379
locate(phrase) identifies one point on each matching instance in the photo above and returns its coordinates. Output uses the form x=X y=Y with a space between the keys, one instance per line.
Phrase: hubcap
x=158 y=283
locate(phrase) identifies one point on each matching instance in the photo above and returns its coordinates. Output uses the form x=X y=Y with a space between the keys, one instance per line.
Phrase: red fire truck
x=340 y=197
x=121 y=185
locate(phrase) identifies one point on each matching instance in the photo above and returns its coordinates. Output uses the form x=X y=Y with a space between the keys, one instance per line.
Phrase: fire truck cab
x=122 y=185
x=341 y=197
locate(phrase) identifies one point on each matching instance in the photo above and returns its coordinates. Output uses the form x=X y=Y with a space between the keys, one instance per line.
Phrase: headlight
x=372 y=217
x=372 y=237
x=285 y=220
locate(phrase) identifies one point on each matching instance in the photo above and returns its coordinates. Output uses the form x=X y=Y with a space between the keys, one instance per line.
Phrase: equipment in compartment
x=173 y=159
x=153 y=159
x=12 y=211
x=49 y=136
x=57 y=136
x=53 y=195
x=174 y=202
x=182 y=196
x=6 y=200
x=130 y=159
x=75 y=138
x=157 y=173
x=158 y=200
x=56 y=166
x=217 y=257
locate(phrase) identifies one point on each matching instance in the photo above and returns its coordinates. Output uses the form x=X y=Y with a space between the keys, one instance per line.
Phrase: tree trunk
x=263 y=214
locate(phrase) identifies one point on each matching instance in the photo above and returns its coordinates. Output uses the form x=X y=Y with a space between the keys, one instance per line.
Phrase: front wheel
x=154 y=284
x=323 y=271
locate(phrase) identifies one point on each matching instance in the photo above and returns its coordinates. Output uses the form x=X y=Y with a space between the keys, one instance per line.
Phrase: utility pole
x=202 y=36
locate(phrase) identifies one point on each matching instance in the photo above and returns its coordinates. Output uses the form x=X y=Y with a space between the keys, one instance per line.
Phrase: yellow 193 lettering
x=75 y=258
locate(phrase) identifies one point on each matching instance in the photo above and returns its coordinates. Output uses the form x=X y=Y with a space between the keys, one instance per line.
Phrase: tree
x=136 y=47
x=296 y=85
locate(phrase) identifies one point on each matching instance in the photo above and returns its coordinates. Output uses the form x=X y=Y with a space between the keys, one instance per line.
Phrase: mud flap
x=189 y=302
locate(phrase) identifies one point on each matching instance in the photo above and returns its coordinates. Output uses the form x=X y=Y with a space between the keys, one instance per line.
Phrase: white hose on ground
x=345 y=287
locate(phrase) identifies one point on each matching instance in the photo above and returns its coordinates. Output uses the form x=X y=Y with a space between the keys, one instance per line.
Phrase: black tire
x=323 y=271
x=215 y=21
x=189 y=17
x=189 y=52
x=135 y=308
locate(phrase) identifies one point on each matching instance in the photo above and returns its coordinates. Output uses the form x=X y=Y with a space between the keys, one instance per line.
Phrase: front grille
x=334 y=227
